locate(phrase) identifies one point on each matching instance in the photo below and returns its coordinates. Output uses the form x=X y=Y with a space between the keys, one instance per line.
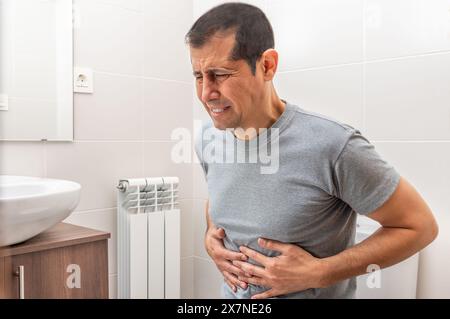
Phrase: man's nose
x=209 y=91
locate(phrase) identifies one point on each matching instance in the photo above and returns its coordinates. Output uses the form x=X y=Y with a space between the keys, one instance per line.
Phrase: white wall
x=123 y=129
x=382 y=66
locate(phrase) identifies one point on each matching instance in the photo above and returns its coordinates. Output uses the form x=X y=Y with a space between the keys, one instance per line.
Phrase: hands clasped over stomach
x=293 y=270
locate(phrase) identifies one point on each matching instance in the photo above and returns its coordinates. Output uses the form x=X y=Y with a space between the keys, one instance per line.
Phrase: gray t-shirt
x=327 y=173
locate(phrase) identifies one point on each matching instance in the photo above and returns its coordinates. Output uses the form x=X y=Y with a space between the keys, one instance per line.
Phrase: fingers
x=249 y=268
x=216 y=249
x=252 y=280
x=253 y=254
x=234 y=280
x=216 y=233
x=233 y=269
x=232 y=255
x=273 y=245
x=233 y=287
x=225 y=265
x=266 y=294
x=219 y=233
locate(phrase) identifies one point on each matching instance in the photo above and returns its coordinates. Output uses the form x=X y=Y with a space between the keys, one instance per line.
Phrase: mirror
x=36 y=67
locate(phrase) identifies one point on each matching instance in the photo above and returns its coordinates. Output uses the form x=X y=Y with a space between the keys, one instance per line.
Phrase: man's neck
x=263 y=120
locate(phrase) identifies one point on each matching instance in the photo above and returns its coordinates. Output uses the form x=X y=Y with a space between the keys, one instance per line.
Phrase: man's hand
x=294 y=270
x=224 y=257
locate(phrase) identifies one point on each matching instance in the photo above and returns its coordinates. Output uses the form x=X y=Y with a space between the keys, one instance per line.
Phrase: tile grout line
x=203 y=259
x=140 y=77
x=87 y=211
x=374 y=61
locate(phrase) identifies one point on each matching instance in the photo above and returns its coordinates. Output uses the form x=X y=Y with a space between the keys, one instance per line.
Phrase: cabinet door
x=6 y=279
x=2 y=277
x=79 y=271
x=3 y=291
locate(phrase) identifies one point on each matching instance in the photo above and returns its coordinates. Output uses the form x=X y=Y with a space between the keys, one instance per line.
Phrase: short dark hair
x=253 y=32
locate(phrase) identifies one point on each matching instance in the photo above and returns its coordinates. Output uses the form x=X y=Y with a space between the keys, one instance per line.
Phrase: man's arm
x=408 y=226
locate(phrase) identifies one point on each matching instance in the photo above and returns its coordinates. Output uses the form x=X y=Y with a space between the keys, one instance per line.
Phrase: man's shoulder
x=322 y=133
x=320 y=123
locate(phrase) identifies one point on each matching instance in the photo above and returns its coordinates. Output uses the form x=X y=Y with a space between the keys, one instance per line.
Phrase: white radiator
x=148 y=241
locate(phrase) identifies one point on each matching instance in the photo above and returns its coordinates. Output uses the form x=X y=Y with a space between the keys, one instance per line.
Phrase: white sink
x=31 y=205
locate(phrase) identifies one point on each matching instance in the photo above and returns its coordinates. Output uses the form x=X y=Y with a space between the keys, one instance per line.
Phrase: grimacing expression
x=227 y=89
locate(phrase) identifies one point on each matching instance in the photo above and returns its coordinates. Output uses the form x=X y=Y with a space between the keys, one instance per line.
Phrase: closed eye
x=221 y=76
x=212 y=76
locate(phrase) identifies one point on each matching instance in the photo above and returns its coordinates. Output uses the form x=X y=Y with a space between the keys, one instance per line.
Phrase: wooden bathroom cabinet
x=66 y=261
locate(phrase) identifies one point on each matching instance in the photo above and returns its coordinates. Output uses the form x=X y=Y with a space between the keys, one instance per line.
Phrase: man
x=290 y=234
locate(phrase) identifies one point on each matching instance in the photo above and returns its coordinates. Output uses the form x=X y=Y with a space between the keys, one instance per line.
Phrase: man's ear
x=269 y=64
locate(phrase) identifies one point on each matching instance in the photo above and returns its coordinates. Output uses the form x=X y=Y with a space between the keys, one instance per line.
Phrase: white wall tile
x=108 y=38
x=187 y=229
x=22 y=158
x=409 y=98
x=425 y=165
x=104 y=220
x=200 y=187
x=158 y=162
x=112 y=286
x=187 y=278
x=335 y=92
x=114 y=111
x=208 y=280
x=199 y=110
x=167 y=106
x=200 y=116
x=433 y=279
x=316 y=33
x=97 y=166
x=201 y=6
x=135 y=5
x=406 y=27
x=165 y=54
x=199 y=218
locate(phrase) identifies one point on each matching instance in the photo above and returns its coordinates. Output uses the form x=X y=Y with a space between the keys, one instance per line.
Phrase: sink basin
x=31 y=205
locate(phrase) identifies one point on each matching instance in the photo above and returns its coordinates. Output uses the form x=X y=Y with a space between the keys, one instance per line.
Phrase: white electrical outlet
x=83 y=80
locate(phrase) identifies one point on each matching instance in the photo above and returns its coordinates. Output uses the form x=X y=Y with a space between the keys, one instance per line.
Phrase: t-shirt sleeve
x=363 y=179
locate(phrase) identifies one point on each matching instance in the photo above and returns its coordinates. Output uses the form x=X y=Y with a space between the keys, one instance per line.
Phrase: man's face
x=227 y=89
